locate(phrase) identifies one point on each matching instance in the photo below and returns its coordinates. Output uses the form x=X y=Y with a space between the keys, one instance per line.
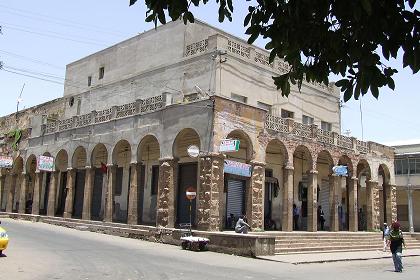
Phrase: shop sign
x=45 y=163
x=229 y=145
x=6 y=162
x=237 y=168
x=340 y=170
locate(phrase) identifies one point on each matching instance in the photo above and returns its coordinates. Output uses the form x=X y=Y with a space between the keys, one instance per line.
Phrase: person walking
x=385 y=235
x=396 y=241
x=241 y=225
x=321 y=218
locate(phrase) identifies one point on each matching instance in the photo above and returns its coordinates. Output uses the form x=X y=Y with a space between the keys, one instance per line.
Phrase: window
x=264 y=106
x=89 y=81
x=307 y=120
x=239 y=98
x=326 y=126
x=101 y=73
x=287 y=114
x=403 y=165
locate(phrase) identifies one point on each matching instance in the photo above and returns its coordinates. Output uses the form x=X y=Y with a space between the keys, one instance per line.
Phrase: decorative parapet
x=312 y=132
x=126 y=110
x=325 y=136
x=151 y=104
x=103 y=116
x=345 y=142
x=239 y=49
x=276 y=123
x=198 y=47
x=116 y=112
x=302 y=130
x=362 y=147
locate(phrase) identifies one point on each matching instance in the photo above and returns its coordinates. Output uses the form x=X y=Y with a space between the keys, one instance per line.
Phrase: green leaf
x=247 y=19
x=132 y=2
x=374 y=90
x=342 y=83
x=347 y=94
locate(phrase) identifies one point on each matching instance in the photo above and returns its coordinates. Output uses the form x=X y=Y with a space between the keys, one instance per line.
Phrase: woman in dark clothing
x=397 y=240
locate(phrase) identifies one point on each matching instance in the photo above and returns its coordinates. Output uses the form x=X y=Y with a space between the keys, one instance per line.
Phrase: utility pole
x=19 y=100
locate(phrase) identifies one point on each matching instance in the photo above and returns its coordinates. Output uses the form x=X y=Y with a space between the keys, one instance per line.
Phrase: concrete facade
x=120 y=144
x=407 y=180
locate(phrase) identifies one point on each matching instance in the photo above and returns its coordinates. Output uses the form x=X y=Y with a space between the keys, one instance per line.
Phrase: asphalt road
x=41 y=251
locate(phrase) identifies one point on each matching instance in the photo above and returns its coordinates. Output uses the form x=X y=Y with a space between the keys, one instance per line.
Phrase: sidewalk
x=336 y=256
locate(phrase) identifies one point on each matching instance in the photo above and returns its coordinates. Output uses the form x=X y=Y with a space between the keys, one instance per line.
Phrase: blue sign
x=237 y=168
x=340 y=170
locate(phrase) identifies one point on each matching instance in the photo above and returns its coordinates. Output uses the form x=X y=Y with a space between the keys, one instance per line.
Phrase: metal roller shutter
x=235 y=197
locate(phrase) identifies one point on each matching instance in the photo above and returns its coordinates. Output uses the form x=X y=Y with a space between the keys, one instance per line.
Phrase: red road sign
x=191 y=193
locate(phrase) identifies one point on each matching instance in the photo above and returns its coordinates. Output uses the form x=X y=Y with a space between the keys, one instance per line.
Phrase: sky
x=41 y=37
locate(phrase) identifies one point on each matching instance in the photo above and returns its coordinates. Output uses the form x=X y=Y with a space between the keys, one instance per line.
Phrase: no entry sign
x=191 y=193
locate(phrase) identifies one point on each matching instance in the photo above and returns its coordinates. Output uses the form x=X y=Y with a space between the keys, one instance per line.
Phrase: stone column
x=2 y=187
x=393 y=203
x=353 y=214
x=166 y=193
x=22 y=197
x=388 y=203
x=11 y=193
x=371 y=215
x=87 y=196
x=133 y=198
x=109 y=200
x=37 y=190
x=52 y=194
x=312 y=200
x=410 y=209
x=257 y=195
x=68 y=208
x=210 y=192
x=334 y=185
x=287 y=218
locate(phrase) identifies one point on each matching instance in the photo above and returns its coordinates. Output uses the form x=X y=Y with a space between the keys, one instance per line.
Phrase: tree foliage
x=320 y=37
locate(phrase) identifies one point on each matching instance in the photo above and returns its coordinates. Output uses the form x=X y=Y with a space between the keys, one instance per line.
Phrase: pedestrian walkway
x=336 y=256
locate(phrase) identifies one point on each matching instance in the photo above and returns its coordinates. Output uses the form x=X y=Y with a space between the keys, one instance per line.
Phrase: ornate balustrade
x=278 y=124
x=148 y=105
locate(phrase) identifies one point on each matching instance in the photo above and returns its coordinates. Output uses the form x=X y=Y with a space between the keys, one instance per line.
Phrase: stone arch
x=345 y=160
x=121 y=159
x=62 y=161
x=246 y=148
x=324 y=165
x=99 y=159
x=99 y=155
x=385 y=194
x=303 y=164
x=276 y=158
x=148 y=155
x=79 y=158
x=148 y=148
x=187 y=174
x=18 y=165
x=364 y=175
x=185 y=138
x=61 y=166
x=343 y=193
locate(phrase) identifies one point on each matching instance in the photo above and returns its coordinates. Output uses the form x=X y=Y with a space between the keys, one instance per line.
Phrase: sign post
x=191 y=194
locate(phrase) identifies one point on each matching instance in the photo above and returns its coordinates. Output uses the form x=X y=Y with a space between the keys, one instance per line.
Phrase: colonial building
x=119 y=138
x=407 y=179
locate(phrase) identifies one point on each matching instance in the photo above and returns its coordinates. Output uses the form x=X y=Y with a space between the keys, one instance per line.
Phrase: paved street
x=41 y=251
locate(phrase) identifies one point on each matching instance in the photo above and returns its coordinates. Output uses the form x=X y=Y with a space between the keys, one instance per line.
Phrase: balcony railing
x=141 y=106
x=312 y=132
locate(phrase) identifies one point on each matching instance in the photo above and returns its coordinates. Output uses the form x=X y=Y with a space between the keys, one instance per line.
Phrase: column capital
x=372 y=182
x=70 y=168
x=164 y=159
x=134 y=163
x=88 y=167
x=313 y=171
x=354 y=178
x=289 y=167
x=255 y=162
x=213 y=154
